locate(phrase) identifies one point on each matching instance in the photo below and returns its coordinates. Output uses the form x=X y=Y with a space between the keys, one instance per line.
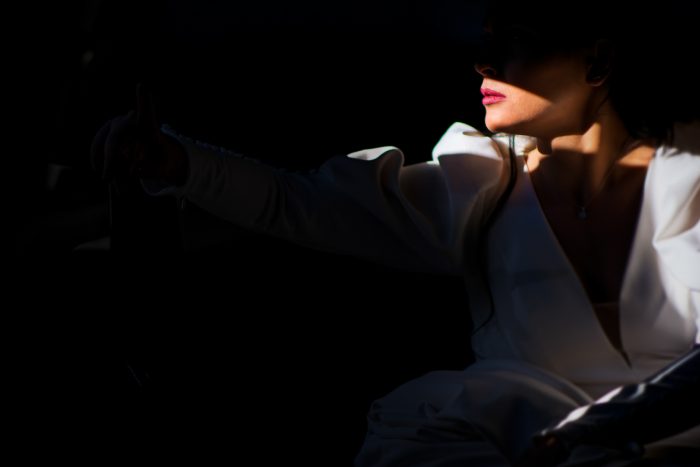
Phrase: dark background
x=206 y=342
x=229 y=345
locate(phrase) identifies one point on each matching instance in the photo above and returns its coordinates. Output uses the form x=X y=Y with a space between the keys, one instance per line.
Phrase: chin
x=497 y=125
x=502 y=124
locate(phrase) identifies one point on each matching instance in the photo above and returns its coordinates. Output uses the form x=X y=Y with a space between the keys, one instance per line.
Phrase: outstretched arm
x=365 y=204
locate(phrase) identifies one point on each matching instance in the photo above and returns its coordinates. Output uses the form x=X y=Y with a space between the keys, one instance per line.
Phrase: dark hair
x=645 y=42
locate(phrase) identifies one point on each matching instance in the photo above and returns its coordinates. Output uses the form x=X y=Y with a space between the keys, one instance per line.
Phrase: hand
x=133 y=145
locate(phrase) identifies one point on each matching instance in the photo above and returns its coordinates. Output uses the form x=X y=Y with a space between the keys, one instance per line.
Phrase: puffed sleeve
x=366 y=204
x=677 y=214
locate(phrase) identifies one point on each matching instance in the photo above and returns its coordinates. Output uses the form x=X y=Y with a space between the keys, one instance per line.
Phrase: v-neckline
x=572 y=270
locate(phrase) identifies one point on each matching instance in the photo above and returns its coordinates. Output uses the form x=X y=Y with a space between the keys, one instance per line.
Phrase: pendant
x=582 y=213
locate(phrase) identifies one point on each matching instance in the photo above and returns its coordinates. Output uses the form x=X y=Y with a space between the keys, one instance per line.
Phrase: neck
x=583 y=160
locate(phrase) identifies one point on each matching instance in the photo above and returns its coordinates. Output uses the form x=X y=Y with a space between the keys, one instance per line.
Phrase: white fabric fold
x=543 y=352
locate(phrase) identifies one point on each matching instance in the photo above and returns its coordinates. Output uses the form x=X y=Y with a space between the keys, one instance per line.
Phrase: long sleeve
x=366 y=204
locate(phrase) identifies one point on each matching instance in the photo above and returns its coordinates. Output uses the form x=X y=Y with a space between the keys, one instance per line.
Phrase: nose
x=485 y=69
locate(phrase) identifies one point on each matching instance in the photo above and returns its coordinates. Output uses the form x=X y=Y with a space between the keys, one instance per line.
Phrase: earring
x=596 y=75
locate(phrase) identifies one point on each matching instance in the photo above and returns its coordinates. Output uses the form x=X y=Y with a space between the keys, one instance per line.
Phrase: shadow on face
x=542 y=71
x=557 y=66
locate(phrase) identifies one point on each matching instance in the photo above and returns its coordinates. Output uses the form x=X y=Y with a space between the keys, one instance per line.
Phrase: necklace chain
x=582 y=208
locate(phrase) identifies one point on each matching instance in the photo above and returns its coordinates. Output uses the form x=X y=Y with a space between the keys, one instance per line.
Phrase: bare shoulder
x=640 y=155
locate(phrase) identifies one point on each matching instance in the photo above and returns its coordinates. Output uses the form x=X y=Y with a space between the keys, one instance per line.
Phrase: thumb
x=146 y=117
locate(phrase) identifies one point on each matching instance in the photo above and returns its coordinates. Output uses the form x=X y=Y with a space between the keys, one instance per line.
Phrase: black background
x=245 y=346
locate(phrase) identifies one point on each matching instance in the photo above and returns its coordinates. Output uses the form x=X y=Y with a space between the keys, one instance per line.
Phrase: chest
x=599 y=246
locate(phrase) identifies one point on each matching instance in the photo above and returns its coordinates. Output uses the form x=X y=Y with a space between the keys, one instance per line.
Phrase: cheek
x=541 y=99
x=521 y=107
x=524 y=104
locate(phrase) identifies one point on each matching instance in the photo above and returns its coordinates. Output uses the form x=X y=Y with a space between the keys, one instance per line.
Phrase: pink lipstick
x=491 y=96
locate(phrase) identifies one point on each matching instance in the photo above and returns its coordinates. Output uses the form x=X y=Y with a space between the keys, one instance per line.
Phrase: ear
x=599 y=61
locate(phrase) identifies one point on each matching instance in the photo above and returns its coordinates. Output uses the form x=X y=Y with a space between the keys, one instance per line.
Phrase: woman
x=576 y=227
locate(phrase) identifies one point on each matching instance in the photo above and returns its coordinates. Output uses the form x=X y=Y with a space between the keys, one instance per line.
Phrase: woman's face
x=545 y=92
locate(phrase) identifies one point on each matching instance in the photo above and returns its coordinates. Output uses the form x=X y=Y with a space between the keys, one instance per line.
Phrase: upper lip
x=491 y=92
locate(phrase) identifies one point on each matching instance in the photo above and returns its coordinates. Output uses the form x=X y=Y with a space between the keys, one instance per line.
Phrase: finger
x=146 y=117
x=116 y=143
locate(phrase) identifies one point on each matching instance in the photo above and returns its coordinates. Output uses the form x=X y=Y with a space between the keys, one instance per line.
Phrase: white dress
x=544 y=352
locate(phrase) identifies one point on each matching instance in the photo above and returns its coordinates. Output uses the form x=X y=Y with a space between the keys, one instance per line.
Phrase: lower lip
x=492 y=99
